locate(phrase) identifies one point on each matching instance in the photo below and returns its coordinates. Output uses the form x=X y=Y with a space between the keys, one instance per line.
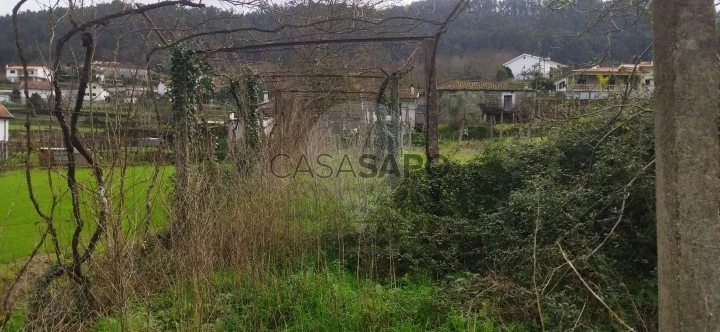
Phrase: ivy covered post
x=184 y=75
x=381 y=132
x=387 y=137
x=252 y=116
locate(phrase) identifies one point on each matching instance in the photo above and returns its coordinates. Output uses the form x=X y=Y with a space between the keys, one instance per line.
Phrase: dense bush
x=587 y=187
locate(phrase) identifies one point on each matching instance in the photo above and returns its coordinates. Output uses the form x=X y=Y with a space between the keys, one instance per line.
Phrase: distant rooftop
x=524 y=55
x=21 y=67
x=642 y=66
x=36 y=85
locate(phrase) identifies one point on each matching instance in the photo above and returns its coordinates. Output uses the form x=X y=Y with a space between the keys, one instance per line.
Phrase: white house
x=5 y=118
x=524 y=66
x=35 y=73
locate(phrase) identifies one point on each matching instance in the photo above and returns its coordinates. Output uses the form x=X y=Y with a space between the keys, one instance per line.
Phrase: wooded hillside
x=491 y=30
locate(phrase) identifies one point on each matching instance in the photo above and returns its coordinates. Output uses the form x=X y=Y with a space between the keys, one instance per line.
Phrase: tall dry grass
x=242 y=220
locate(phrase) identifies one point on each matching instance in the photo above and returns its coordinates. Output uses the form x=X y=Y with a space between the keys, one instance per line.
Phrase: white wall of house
x=35 y=73
x=4 y=130
x=94 y=92
x=526 y=63
x=4 y=137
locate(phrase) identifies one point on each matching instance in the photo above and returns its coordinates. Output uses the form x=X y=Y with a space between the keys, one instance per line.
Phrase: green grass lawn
x=21 y=227
x=467 y=151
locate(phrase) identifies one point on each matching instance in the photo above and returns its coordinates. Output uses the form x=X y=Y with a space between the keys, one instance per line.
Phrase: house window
x=94 y=94
x=648 y=82
x=12 y=72
x=562 y=85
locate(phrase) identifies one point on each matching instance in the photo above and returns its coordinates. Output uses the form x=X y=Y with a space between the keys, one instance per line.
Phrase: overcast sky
x=6 y=6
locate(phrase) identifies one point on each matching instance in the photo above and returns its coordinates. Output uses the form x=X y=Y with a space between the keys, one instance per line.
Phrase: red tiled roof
x=642 y=66
x=483 y=86
x=4 y=113
x=36 y=85
x=21 y=67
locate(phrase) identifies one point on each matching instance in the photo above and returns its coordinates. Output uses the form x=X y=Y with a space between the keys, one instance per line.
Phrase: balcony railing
x=609 y=87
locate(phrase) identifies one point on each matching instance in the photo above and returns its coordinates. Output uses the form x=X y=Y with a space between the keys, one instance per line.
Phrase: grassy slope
x=20 y=227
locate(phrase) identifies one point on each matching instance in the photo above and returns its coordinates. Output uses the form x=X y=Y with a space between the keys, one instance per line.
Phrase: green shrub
x=481 y=217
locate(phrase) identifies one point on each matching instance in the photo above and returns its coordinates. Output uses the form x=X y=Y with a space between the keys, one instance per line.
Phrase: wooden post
x=279 y=124
x=432 y=150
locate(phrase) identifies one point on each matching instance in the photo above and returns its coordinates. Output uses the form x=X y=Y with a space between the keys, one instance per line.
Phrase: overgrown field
x=512 y=234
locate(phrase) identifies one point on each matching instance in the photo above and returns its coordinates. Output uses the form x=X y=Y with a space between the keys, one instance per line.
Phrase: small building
x=606 y=82
x=526 y=66
x=5 y=118
x=16 y=74
x=497 y=101
x=93 y=92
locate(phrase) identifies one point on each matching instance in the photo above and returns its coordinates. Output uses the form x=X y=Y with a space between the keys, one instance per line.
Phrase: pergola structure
x=428 y=44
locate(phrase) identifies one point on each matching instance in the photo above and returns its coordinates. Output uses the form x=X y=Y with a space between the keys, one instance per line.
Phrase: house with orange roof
x=16 y=74
x=603 y=82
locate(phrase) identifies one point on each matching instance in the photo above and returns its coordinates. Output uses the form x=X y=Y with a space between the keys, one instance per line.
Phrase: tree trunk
x=686 y=145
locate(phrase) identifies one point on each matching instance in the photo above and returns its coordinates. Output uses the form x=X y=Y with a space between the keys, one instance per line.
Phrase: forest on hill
x=492 y=30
